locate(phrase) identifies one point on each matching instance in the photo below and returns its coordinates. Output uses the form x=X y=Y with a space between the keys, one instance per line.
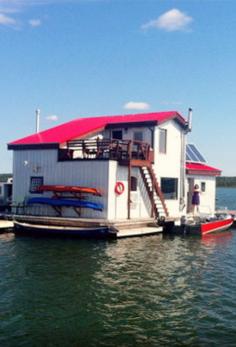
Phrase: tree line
x=224 y=181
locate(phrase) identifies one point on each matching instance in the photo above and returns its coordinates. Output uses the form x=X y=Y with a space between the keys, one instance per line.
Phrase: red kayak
x=69 y=189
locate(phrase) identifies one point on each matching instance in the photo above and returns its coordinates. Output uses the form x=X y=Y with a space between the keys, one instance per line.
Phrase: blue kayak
x=66 y=202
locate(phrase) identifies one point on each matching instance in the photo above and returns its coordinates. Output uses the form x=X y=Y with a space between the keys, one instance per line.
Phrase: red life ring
x=119 y=188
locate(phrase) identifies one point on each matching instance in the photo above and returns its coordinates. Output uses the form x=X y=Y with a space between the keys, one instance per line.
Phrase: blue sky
x=86 y=58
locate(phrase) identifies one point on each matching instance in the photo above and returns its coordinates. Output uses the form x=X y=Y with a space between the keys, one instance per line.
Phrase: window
x=162 y=140
x=117 y=134
x=134 y=184
x=0 y=190
x=203 y=186
x=138 y=136
x=35 y=183
x=169 y=188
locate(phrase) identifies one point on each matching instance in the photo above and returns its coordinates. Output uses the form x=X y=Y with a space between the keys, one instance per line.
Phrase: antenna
x=37 y=119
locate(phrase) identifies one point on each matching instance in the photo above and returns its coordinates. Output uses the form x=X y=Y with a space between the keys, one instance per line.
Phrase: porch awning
x=201 y=169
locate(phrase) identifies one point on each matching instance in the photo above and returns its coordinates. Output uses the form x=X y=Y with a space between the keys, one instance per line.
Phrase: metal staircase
x=159 y=208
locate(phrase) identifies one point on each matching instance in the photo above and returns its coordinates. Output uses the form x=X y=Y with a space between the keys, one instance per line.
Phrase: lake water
x=150 y=291
x=226 y=197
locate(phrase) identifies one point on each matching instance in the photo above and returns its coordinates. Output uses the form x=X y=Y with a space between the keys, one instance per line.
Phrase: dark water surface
x=226 y=197
x=150 y=291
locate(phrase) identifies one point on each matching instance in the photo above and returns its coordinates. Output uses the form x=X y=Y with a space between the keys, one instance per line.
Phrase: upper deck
x=124 y=151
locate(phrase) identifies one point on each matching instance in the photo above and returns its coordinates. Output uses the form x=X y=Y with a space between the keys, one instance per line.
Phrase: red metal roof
x=202 y=169
x=81 y=127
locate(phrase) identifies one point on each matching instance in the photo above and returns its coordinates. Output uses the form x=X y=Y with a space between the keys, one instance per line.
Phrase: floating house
x=134 y=166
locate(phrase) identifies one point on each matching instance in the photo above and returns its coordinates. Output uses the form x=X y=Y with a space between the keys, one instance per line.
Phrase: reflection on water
x=149 y=291
x=217 y=238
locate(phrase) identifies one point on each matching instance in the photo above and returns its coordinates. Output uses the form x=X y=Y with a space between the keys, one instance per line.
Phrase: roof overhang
x=16 y=147
x=200 y=169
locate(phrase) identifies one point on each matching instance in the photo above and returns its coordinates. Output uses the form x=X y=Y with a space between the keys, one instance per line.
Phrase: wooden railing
x=105 y=149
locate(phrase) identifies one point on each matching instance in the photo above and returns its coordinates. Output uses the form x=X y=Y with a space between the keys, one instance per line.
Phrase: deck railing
x=105 y=149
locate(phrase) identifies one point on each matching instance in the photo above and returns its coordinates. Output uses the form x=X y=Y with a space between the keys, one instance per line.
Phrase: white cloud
x=6 y=20
x=132 y=105
x=35 y=22
x=173 y=20
x=52 y=118
x=17 y=6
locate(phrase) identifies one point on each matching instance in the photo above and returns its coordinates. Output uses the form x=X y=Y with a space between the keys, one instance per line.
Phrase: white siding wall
x=99 y=174
x=168 y=164
x=118 y=204
x=27 y=163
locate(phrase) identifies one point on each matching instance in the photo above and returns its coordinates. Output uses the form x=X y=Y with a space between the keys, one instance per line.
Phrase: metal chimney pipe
x=37 y=119
x=190 y=116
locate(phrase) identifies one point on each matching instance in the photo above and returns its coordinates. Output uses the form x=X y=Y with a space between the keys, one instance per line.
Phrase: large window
x=169 y=188
x=117 y=134
x=35 y=183
x=162 y=140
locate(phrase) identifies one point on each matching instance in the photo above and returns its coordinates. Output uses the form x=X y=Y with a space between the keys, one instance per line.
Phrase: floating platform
x=84 y=228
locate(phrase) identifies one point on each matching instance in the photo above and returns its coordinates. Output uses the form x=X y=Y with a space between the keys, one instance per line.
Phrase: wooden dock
x=6 y=226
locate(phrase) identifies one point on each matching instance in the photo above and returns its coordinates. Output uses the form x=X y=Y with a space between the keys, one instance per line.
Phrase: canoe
x=69 y=189
x=29 y=229
x=60 y=202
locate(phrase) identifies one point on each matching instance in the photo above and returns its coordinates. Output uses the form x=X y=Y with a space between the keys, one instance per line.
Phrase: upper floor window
x=117 y=134
x=162 y=140
x=138 y=136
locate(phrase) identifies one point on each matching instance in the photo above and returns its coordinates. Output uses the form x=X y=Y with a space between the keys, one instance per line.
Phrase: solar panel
x=193 y=154
x=188 y=158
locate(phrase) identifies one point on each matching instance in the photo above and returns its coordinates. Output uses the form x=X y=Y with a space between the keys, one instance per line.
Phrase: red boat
x=216 y=225
x=199 y=226
x=207 y=226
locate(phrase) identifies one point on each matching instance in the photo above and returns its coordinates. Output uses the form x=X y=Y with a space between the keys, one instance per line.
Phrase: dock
x=6 y=225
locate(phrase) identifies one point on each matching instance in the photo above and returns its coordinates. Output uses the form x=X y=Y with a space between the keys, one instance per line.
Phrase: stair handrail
x=158 y=189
